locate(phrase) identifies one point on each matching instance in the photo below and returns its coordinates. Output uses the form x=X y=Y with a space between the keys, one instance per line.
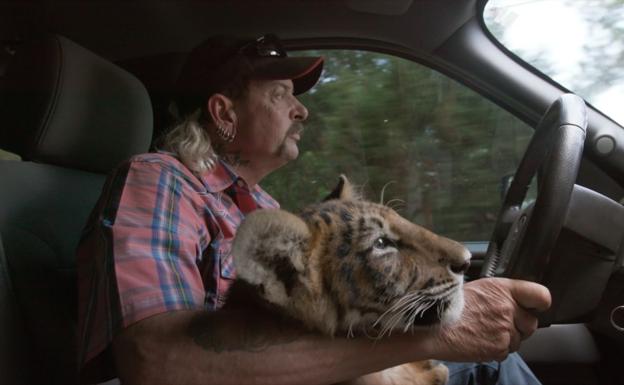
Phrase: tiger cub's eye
x=383 y=242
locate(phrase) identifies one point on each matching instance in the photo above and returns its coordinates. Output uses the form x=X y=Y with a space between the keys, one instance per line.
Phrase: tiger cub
x=352 y=266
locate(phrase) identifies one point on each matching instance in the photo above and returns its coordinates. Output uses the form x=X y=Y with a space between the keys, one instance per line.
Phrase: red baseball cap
x=220 y=61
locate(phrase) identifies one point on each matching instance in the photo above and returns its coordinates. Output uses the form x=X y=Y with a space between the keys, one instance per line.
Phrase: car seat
x=72 y=117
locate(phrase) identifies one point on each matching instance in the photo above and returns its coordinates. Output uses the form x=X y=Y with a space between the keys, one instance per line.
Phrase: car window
x=578 y=43
x=409 y=136
x=6 y=155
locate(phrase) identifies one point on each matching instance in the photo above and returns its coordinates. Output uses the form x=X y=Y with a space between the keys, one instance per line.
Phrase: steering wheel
x=523 y=238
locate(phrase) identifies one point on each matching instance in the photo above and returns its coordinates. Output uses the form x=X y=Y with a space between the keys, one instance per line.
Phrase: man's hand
x=497 y=316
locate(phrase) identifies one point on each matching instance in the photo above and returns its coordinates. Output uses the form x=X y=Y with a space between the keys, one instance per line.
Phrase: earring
x=226 y=134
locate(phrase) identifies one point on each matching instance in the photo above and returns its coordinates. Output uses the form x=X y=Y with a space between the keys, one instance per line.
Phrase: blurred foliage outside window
x=440 y=149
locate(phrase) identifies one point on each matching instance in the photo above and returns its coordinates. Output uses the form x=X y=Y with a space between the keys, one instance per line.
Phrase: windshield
x=578 y=43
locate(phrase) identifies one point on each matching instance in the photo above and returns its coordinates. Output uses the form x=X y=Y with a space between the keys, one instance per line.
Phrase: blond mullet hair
x=190 y=142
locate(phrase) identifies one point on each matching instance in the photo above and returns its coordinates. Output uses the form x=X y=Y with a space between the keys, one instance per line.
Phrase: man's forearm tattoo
x=213 y=331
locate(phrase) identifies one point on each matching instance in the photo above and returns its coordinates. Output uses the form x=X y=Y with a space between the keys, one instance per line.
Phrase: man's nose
x=300 y=112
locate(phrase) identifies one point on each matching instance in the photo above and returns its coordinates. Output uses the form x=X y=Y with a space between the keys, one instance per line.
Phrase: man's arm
x=237 y=346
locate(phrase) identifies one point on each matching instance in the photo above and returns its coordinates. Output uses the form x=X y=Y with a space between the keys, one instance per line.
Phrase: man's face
x=269 y=123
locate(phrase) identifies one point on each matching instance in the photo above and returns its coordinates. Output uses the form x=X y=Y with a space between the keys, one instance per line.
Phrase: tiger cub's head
x=351 y=265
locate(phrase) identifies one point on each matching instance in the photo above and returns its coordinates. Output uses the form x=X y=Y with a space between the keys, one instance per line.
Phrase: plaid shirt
x=158 y=240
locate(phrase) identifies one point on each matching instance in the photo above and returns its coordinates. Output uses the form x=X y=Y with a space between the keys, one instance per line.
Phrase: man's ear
x=343 y=190
x=271 y=248
x=221 y=110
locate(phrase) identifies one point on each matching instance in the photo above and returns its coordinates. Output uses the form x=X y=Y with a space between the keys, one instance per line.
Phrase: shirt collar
x=220 y=178
x=223 y=176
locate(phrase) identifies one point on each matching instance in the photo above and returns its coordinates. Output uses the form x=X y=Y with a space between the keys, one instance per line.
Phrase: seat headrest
x=64 y=105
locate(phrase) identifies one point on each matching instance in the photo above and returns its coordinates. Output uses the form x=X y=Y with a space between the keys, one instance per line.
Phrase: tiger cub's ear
x=270 y=250
x=343 y=190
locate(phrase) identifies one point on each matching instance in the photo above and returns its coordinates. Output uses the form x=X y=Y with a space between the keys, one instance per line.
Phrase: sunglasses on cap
x=264 y=46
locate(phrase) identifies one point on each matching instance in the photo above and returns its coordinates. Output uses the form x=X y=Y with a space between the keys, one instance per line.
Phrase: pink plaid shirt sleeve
x=157 y=241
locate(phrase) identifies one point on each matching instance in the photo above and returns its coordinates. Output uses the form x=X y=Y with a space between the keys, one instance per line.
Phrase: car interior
x=49 y=196
x=86 y=84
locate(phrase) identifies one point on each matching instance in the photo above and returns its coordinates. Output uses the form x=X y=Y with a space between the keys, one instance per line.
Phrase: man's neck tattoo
x=235 y=159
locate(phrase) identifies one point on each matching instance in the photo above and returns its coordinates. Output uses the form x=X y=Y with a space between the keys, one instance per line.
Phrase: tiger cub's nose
x=457 y=257
x=460 y=268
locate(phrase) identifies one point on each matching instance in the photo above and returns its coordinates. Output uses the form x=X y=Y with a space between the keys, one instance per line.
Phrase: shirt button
x=240 y=183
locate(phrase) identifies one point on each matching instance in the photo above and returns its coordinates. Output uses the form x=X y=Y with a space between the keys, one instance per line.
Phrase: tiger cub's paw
x=430 y=372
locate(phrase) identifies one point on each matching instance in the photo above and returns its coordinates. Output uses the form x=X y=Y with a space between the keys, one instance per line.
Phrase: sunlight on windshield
x=578 y=43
